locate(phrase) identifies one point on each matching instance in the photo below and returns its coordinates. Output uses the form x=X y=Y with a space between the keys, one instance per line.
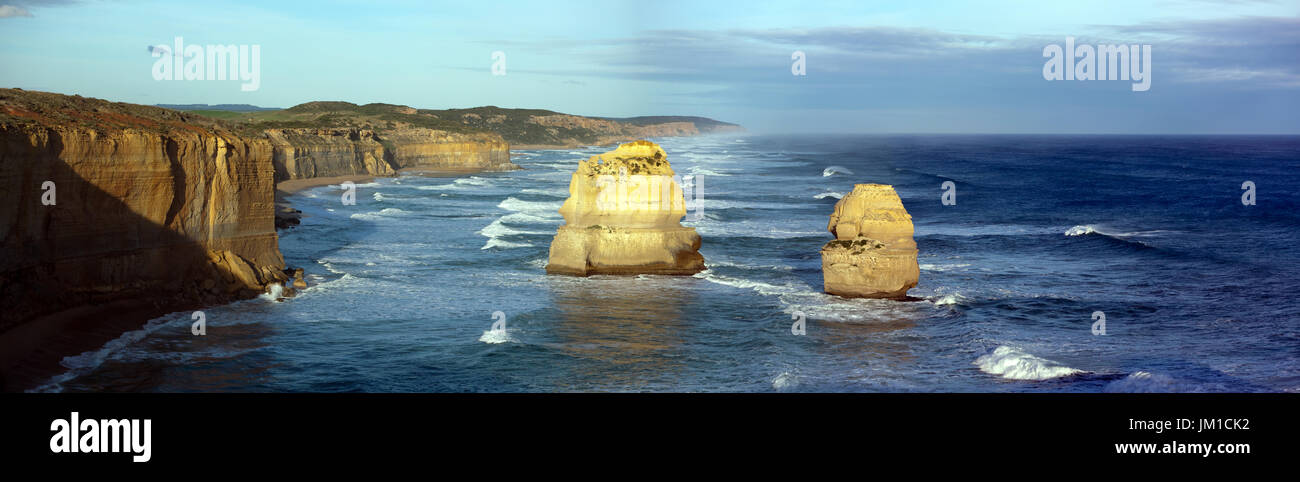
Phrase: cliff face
x=623 y=217
x=435 y=149
x=873 y=254
x=325 y=152
x=604 y=131
x=301 y=153
x=142 y=209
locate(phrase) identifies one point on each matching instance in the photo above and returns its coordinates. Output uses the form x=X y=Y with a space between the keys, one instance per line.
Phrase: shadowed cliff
x=151 y=214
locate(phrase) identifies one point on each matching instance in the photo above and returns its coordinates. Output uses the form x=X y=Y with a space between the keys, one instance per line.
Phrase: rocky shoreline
x=120 y=213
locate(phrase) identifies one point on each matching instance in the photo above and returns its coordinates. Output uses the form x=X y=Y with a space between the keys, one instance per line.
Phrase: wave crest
x=833 y=170
x=1015 y=364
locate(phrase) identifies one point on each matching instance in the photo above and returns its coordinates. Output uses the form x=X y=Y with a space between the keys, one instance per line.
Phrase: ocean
x=1197 y=290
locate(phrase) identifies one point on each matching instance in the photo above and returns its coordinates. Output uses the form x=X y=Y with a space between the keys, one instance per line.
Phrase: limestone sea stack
x=623 y=216
x=873 y=254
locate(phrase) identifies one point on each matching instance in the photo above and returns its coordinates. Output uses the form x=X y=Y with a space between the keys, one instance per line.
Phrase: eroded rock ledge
x=623 y=216
x=873 y=254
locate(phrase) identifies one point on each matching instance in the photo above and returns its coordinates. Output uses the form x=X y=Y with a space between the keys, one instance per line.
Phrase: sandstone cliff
x=146 y=204
x=873 y=254
x=303 y=153
x=623 y=216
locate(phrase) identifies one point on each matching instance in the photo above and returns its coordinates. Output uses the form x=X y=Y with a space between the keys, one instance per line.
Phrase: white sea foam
x=759 y=286
x=942 y=267
x=274 y=292
x=799 y=297
x=462 y=183
x=383 y=214
x=1104 y=231
x=836 y=195
x=345 y=282
x=438 y=187
x=1080 y=230
x=503 y=244
x=833 y=170
x=555 y=192
x=379 y=196
x=1015 y=364
x=785 y=381
x=950 y=299
x=718 y=263
x=536 y=208
x=498 y=228
x=494 y=337
x=79 y=365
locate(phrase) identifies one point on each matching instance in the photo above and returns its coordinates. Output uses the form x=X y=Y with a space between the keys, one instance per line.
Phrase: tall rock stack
x=623 y=216
x=873 y=254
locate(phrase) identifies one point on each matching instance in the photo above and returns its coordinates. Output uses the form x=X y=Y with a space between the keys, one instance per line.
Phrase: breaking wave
x=785 y=381
x=1015 y=364
x=493 y=337
x=383 y=214
x=950 y=299
x=1080 y=230
x=549 y=210
x=833 y=170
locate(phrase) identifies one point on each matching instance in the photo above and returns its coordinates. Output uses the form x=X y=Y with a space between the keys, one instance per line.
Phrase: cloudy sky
x=1225 y=66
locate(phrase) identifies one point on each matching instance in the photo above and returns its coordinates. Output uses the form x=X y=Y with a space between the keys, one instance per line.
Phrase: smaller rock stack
x=873 y=254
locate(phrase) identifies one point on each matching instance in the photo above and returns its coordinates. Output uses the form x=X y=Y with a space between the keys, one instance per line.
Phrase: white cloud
x=8 y=11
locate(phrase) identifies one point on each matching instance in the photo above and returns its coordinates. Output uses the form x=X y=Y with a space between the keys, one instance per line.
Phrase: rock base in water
x=873 y=254
x=600 y=250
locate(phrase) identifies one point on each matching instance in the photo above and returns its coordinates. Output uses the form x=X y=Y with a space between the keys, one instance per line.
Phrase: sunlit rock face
x=623 y=216
x=304 y=153
x=873 y=254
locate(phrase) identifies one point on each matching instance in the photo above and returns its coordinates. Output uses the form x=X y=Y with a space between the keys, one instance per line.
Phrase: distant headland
x=522 y=128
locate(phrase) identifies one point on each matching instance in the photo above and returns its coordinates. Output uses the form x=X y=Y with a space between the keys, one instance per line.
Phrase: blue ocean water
x=1196 y=288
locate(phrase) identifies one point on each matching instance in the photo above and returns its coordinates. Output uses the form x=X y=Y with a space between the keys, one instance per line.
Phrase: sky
x=1217 y=66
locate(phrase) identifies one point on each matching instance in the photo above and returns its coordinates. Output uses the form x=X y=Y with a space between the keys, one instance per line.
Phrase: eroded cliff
x=303 y=153
x=104 y=202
